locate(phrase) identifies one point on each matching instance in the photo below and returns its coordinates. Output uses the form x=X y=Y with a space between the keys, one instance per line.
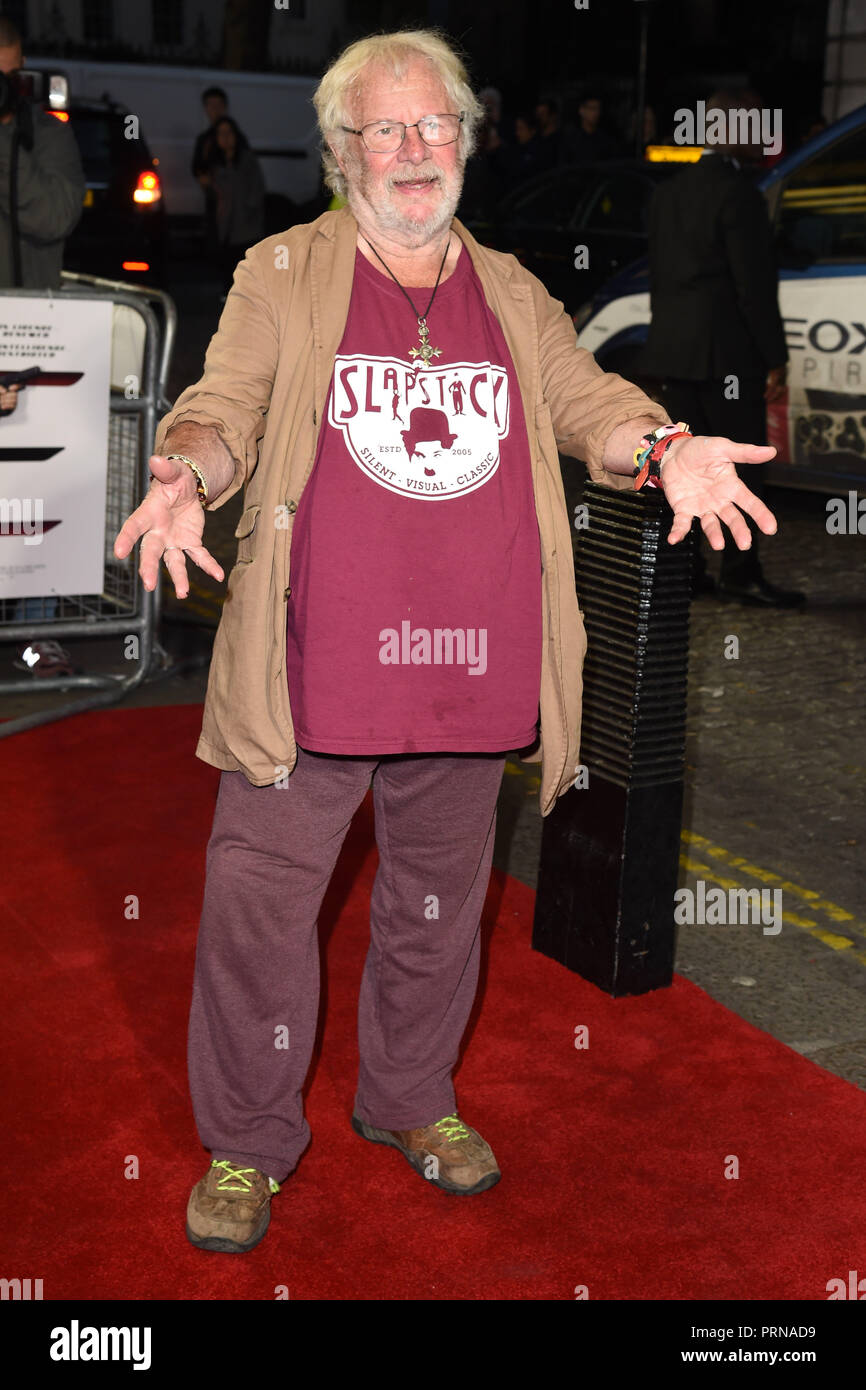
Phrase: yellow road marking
x=827 y=938
x=813 y=900
x=838 y=914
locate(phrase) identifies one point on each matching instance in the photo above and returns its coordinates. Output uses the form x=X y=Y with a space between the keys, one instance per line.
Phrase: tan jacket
x=265 y=386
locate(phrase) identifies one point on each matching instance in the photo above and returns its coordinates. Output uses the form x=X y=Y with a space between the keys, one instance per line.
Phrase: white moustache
x=428 y=178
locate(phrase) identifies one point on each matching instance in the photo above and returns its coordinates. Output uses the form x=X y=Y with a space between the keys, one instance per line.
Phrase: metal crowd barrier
x=123 y=607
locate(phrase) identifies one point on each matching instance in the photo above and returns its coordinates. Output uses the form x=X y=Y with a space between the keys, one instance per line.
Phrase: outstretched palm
x=171 y=522
x=700 y=479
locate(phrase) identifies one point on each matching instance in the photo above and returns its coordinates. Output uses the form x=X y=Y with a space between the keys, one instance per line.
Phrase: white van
x=274 y=111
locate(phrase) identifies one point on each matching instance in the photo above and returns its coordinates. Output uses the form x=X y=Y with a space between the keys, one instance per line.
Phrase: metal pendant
x=425 y=351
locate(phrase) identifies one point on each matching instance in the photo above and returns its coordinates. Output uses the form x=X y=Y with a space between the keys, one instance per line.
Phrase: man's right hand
x=171 y=522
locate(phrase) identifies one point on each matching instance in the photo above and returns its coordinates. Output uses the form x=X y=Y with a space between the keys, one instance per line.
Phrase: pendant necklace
x=425 y=352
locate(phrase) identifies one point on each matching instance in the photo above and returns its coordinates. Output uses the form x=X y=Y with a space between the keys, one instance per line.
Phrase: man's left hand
x=699 y=479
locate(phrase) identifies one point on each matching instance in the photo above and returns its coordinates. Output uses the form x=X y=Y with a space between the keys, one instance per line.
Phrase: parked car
x=816 y=199
x=546 y=221
x=122 y=232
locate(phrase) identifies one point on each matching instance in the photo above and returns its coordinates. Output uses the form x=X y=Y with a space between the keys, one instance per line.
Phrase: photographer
x=49 y=181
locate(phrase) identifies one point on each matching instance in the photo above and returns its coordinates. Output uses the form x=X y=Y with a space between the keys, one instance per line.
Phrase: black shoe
x=760 y=593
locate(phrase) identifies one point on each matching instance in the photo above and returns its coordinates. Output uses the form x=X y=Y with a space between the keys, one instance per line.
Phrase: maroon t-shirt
x=414 y=619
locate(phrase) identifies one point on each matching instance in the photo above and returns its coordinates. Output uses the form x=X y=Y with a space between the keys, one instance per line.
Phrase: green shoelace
x=453 y=1128
x=241 y=1182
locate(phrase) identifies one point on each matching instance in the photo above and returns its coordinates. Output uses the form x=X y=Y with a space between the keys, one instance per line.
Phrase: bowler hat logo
x=429 y=434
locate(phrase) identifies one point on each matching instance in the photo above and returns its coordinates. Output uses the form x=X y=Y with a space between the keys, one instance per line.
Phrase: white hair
x=394 y=53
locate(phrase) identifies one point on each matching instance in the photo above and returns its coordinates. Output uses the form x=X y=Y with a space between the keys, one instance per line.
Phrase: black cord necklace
x=425 y=351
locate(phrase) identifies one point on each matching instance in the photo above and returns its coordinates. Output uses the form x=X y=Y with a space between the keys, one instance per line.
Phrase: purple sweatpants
x=269 y=861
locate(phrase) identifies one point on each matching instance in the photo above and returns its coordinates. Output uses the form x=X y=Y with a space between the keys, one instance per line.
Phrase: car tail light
x=136 y=265
x=148 y=188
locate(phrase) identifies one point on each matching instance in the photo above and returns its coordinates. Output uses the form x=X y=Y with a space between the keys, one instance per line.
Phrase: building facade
x=286 y=35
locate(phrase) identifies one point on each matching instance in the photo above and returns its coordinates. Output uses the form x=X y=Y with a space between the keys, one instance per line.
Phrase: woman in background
x=240 y=193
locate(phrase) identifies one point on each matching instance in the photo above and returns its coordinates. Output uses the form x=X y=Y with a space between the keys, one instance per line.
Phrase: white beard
x=380 y=205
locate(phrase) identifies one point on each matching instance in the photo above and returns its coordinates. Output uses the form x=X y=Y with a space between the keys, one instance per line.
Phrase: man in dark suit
x=716 y=341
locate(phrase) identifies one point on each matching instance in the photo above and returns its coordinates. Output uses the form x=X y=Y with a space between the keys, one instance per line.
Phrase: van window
x=550 y=202
x=92 y=130
x=620 y=205
x=822 y=211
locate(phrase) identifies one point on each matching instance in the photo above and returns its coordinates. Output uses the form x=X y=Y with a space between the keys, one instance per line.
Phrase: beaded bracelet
x=200 y=483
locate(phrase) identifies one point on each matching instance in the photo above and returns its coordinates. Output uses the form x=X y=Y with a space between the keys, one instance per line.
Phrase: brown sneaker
x=449 y=1153
x=230 y=1208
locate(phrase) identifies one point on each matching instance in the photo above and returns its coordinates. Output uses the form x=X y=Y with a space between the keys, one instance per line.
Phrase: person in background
x=590 y=141
x=240 y=196
x=552 y=147
x=51 y=182
x=650 y=132
x=523 y=155
x=216 y=104
x=716 y=339
x=488 y=171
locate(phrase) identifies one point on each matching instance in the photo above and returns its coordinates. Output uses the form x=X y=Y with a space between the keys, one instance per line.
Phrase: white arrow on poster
x=54 y=445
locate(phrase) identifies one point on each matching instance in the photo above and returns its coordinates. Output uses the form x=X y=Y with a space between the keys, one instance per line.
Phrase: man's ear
x=339 y=158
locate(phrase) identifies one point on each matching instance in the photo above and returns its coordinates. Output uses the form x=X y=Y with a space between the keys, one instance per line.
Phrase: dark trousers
x=256 y=988
x=705 y=408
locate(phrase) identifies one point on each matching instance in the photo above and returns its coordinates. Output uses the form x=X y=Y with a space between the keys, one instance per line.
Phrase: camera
x=27 y=86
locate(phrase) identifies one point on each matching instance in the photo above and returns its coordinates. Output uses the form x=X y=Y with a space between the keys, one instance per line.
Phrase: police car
x=816 y=199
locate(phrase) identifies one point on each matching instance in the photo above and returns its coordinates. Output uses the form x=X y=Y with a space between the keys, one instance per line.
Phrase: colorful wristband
x=651 y=450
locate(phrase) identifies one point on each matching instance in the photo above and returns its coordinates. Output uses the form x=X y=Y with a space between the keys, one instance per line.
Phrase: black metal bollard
x=610 y=848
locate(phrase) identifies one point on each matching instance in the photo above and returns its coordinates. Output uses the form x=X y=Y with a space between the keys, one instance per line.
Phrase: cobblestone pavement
x=776 y=762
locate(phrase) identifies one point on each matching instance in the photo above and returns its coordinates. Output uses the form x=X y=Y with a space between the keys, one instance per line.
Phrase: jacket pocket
x=245 y=532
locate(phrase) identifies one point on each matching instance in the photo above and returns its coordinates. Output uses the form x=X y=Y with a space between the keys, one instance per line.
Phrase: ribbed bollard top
x=634 y=591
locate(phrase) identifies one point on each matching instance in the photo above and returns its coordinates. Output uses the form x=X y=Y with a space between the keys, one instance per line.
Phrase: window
x=549 y=202
x=92 y=130
x=620 y=205
x=167 y=22
x=97 y=20
x=822 y=211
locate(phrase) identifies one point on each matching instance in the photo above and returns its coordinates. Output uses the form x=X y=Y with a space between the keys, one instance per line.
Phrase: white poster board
x=54 y=446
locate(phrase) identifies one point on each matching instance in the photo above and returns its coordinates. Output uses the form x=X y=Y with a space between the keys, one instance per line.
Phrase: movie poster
x=53 y=445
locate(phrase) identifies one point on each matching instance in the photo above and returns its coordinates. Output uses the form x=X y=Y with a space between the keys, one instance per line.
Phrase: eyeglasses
x=384 y=137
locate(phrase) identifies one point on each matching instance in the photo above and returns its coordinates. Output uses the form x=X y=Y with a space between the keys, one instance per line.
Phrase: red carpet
x=613 y=1157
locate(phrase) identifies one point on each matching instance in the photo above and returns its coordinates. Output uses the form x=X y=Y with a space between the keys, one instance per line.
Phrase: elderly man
x=370 y=575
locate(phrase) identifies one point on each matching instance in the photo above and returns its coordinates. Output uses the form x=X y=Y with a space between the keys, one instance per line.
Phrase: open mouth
x=415 y=185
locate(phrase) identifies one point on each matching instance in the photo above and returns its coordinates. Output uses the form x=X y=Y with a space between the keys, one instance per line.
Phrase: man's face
x=11 y=58
x=214 y=107
x=590 y=113
x=433 y=454
x=412 y=192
